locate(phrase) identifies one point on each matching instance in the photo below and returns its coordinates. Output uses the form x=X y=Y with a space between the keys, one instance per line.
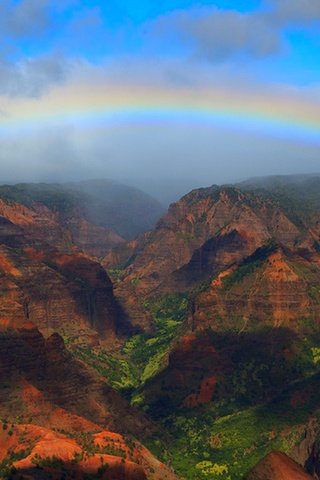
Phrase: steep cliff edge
x=69 y=293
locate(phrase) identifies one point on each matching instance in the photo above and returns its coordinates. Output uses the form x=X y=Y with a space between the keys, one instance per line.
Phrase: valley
x=140 y=345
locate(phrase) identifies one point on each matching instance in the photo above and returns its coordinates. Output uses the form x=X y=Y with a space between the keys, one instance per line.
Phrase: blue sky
x=263 y=48
x=96 y=30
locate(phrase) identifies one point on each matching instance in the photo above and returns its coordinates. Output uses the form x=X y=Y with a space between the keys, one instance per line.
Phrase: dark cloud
x=297 y=11
x=32 y=77
x=223 y=34
x=29 y=19
x=217 y=34
x=25 y=18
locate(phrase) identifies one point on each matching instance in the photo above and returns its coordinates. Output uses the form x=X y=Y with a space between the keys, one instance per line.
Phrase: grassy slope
x=143 y=355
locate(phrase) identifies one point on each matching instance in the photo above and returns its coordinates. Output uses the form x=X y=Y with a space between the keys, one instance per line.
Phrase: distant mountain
x=124 y=210
x=298 y=194
x=280 y=180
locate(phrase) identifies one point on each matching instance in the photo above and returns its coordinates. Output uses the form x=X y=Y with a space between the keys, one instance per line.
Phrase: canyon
x=117 y=349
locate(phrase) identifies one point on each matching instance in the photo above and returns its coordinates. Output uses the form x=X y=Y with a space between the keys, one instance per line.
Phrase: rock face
x=33 y=368
x=204 y=233
x=271 y=288
x=277 y=466
x=69 y=293
x=307 y=452
x=210 y=367
x=66 y=232
x=250 y=322
x=66 y=292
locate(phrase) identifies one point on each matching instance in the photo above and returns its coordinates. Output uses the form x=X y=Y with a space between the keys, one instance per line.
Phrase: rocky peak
x=207 y=230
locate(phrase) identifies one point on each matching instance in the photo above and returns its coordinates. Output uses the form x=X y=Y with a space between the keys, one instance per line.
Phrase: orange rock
x=277 y=466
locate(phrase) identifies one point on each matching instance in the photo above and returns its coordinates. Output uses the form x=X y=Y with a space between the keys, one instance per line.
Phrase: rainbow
x=265 y=113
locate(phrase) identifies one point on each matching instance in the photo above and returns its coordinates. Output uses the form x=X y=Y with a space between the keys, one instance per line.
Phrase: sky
x=167 y=95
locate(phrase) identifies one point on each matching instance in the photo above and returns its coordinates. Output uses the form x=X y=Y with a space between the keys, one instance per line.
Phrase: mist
x=165 y=161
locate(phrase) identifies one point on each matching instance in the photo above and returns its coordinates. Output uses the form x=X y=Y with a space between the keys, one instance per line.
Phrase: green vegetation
x=6 y=465
x=115 y=274
x=227 y=436
x=298 y=196
x=209 y=444
x=314 y=294
x=143 y=355
x=149 y=352
x=212 y=470
x=52 y=462
x=117 y=370
x=315 y=355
